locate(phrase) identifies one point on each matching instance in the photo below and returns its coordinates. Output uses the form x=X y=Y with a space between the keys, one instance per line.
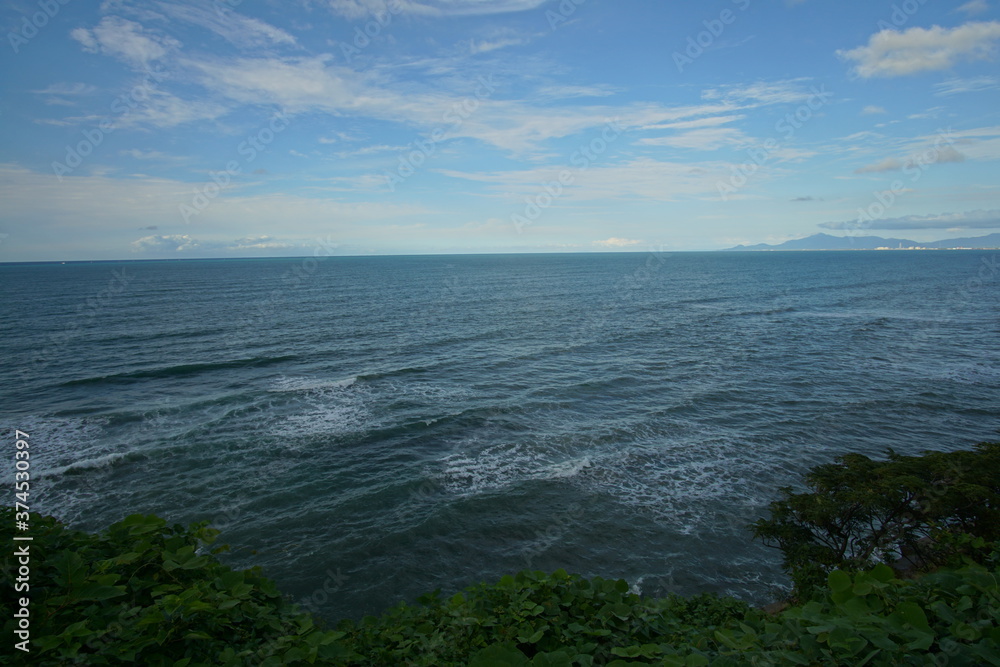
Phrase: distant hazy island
x=828 y=242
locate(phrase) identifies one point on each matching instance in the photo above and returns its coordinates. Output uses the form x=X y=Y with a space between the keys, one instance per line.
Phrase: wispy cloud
x=872 y=110
x=888 y=164
x=126 y=40
x=236 y=28
x=974 y=7
x=975 y=85
x=968 y=220
x=485 y=46
x=644 y=178
x=358 y=9
x=938 y=155
x=701 y=139
x=66 y=88
x=788 y=91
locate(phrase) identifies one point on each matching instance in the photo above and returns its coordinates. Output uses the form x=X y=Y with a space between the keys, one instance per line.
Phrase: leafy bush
x=534 y=618
x=928 y=509
x=143 y=592
x=865 y=618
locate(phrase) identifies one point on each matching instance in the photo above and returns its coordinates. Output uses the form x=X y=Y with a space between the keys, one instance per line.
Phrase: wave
x=180 y=370
x=105 y=461
x=299 y=384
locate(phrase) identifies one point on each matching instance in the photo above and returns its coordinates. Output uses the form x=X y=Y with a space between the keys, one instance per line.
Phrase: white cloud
x=976 y=85
x=300 y=85
x=360 y=9
x=788 y=91
x=264 y=242
x=978 y=143
x=975 y=7
x=710 y=121
x=568 y=91
x=168 y=243
x=125 y=40
x=968 y=220
x=642 y=178
x=164 y=110
x=948 y=154
x=236 y=28
x=932 y=113
x=487 y=46
x=372 y=150
x=147 y=155
x=701 y=139
x=888 y=164
x=65 y=88
x=615 y=242
x=934 y=154
x=891 y=53
x=65 y=94
x=97 y=214
x=872 y=110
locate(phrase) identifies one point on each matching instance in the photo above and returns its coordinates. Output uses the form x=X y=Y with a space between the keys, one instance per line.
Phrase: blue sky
x=228 y=128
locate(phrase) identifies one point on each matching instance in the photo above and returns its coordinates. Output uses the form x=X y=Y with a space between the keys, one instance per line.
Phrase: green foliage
x=873 y=618
x=143 y=592
x=930 y=509
x=537 y=619
x=862 y=618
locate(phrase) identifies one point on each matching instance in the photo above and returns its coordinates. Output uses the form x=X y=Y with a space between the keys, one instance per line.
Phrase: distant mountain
x=828 y=242
x=988 y=241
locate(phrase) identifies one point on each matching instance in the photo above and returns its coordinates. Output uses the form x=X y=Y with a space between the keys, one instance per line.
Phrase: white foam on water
x=694 y=484
x=493 y=468
x=974 y=374
x=473 y=469
x=105 y=461
x=60 y=444
x=301 y=384
x=565 y=469
x=320 y=407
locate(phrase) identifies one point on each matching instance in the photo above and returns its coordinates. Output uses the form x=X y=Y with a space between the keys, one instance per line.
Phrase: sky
x=245 y=128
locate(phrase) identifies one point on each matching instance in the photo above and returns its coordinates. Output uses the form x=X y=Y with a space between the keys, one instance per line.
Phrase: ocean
x=368 y=429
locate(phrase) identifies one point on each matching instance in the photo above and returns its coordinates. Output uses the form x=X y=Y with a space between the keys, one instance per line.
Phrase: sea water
x=368 y=429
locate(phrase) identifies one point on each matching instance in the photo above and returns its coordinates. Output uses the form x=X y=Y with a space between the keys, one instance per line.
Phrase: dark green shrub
x=534 y=618
x=143 y=592
x=932 y=509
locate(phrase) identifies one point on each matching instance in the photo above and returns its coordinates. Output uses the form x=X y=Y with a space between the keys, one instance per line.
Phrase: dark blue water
x=370 y=429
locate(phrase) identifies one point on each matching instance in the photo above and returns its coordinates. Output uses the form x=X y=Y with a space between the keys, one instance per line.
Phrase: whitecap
x=302 y=384
x=105 y=461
